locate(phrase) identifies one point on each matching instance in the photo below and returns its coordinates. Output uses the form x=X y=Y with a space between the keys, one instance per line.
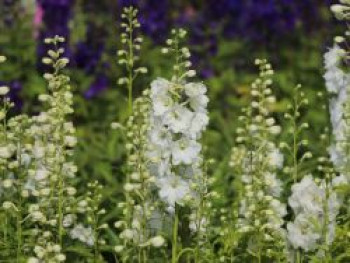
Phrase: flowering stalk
x=61 y=102
x=296 y=130
x=94 y=212
x=128 y=56
x=261 y=211
x=138 y=209
x=8 y=140
x=177 y=119
x=315 y=205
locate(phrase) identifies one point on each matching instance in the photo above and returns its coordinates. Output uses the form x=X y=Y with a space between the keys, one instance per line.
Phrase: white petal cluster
x=48 y=252
x=269 y=192
x=256 y=162
x=178 y=118
x=83 y=234
x=308 y=201
x=337 y=83
x=336 y=78
x=173 y=189
x=35 y=159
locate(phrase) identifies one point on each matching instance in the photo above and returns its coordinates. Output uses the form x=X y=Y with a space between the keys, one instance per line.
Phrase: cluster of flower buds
x=256 y=161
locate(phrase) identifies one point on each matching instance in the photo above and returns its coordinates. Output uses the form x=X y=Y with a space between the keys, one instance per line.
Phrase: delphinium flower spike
x=337 y=77
x=261 y=211
x=139 y=226
x=315 y=204
x=52 y=169
x=12 y=181
x=137 y=234
x=295 y=128
x=177 y=119
x=129 y=55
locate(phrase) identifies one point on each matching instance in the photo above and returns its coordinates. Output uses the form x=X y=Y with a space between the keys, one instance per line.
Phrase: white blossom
x=83 y=234
x=178 y=119
x=161 y=99
x=309 y=202
x=307 y=196
x=157 y=241
x=197 y=96
x=185 y=151
x=275 y=158
x=302 y=233
x=173 y=189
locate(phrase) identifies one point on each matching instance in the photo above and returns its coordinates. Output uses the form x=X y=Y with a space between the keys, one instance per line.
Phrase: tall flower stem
x=175 y=234
x=19 y=206
x=295 y=147
x=298 y=257
x=19 y=231
x=130 y=61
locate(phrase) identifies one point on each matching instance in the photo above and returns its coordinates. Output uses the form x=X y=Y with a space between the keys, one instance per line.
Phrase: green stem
x=186 y=250
x=175 y=233
x=199 y=217
x=60 y=212
x=19 y=231
x=295 y=140
x=298 y=257
x=96 y=247
x=259 y=247
x=130 y=63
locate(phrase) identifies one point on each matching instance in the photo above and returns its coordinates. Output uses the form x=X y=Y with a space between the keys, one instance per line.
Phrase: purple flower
x=100 y=84
x=9 y=8
x=88 y=52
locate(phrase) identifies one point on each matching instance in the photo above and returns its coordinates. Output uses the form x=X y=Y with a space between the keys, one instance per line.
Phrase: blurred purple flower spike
x=100 y=84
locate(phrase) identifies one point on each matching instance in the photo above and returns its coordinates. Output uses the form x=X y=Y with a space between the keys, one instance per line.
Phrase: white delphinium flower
x=176 y=121
x=137 y=225
x=338 y=84
x=302 y=232
x=52 y=138
x=83 y=234
x=139 y=184
x=162 y=101
x=274 y=185
x=68 y=220
x=185 y=151
x=48 y=252
x=179 y=125
x=307 y=196
x=276 y=158
x=6 y=151
x=178 y=117
x=196 y=92
x=315 y=212
x=14 y=197
x=160 y=136
x=173 y=189
x=336 y=78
